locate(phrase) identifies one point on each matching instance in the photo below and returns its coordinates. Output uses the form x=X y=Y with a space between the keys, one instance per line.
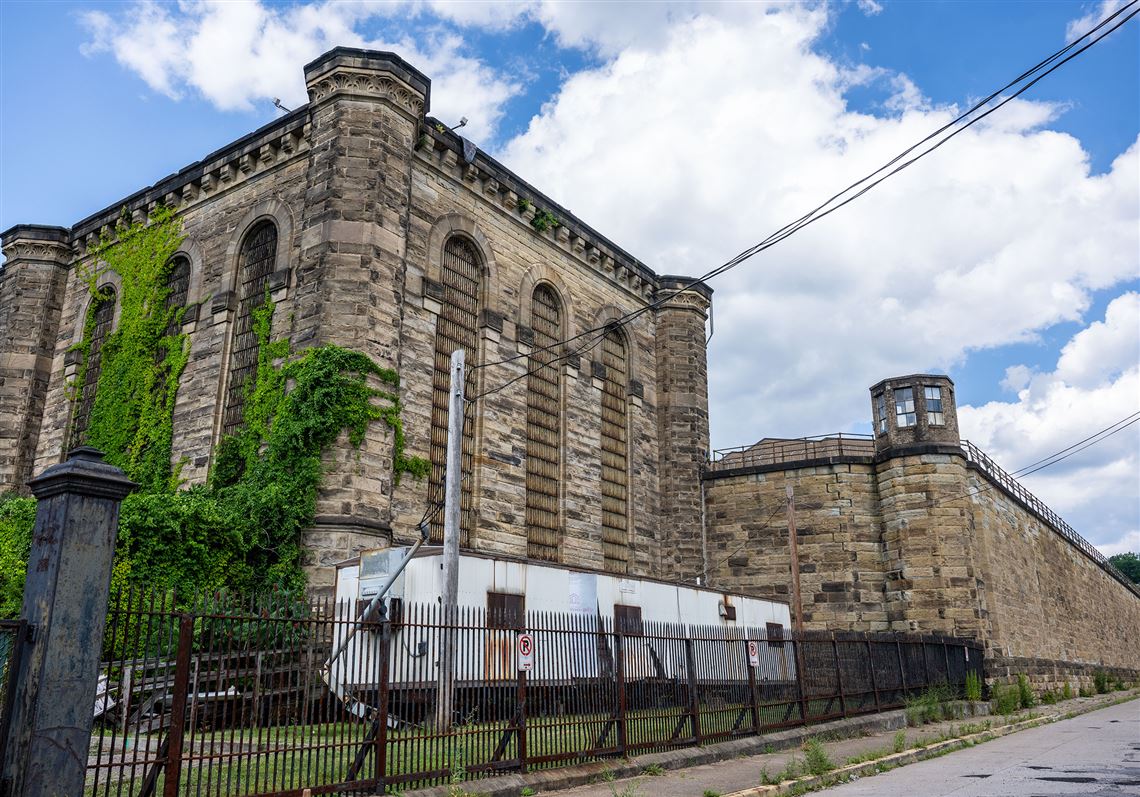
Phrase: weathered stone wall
x=31 y=291
x=1047 y=600
x=364 y=196
x=924 y=542
x=838 y=531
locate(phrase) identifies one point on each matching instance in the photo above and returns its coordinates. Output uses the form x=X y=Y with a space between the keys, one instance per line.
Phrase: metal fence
x=13 y=634
x=221 y=698
x=776 y=450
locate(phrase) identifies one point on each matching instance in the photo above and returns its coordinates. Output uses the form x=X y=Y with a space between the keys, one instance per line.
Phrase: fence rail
x=776 y=450
x=225 y=699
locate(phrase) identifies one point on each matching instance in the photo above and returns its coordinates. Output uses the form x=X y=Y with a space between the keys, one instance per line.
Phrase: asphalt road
x=1094 y=755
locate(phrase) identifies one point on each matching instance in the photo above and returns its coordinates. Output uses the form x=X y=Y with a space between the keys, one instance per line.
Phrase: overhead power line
x=1037 y=72
x=1053 y=459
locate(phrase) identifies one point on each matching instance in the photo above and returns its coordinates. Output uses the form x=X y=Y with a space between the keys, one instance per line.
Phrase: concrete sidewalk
x=746 y=773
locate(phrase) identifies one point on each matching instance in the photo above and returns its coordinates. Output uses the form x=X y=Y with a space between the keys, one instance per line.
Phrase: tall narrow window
x=881 y=413
x=615 y=455
x=543 y=429
x=933 y=395
x=178 y=284
x=255 y=264
x=103 y=318
x=457 y=327
x=904 y=407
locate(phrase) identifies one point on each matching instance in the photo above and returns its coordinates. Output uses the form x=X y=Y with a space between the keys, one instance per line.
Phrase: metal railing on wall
x=774 y=451
x=222 y=698
x=994 y=472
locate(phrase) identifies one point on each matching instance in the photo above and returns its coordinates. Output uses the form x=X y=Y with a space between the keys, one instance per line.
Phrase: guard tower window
x=881 y=413
x=544 y=429
x=934 y=415
x=904 y=407
x=456 y=328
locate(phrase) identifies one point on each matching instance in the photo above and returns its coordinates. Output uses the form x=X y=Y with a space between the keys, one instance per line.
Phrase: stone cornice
x=23 y=249
x=444 y=152
x=273 y=145
x=357 y=83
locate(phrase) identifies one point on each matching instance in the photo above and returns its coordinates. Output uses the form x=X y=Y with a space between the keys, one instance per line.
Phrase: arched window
x=103 y=316
x=255 y=263
x=178 y=287
x=457 y=327
x=615 y=454
x=544 y=429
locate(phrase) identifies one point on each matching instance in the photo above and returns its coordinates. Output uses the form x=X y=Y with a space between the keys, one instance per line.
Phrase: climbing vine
x=132 y=415
x=241 y=530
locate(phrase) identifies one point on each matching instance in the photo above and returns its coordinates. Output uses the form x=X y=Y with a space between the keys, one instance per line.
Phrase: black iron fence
x=221 y=698
x=13 y=635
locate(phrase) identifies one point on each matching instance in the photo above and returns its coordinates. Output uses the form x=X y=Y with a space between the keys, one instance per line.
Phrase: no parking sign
x=753 y=654
x=526 y=652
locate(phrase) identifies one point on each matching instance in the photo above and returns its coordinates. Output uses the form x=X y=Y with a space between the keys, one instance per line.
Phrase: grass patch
x=816 y=760
x=1025 y=696
x=973 y=686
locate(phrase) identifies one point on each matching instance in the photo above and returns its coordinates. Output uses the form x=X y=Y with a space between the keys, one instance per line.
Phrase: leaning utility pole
x=452 y=515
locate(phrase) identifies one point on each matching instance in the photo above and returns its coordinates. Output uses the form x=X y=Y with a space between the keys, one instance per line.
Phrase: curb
x=895 y=760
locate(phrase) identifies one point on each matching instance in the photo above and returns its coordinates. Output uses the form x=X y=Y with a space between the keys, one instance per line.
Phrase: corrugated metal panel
x=457 y=327
x=544 y=430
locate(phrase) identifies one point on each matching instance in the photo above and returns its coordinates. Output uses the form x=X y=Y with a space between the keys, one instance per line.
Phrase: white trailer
x=512 y=586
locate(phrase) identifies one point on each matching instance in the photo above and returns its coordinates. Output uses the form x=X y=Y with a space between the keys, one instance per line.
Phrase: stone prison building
x=376 y=228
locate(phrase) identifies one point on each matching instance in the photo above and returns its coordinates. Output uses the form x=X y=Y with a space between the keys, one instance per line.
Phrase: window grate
x=457 y=327
x=544 y=430
x=256 y=263
x=103 y=320
x=615 y=455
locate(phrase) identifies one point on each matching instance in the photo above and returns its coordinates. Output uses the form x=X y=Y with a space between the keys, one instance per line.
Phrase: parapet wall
x=928 y=543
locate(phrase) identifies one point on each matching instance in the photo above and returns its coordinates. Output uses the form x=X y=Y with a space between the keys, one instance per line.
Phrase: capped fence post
x=65 y=604
x=694 y=703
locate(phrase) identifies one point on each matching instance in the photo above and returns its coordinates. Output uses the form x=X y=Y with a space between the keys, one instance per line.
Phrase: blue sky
x=686 y=131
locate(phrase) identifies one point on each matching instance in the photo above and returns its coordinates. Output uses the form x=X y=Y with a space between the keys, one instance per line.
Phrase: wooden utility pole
x=452 y=517
x=793 y=549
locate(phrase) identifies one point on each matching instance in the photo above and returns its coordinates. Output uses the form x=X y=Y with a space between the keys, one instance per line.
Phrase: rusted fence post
x=839 y=675
x=871 y=666
x=173 y=766
x=694 y=702
x=65 y=604
x=380 y=755
x=619 y=671
x=753 y=698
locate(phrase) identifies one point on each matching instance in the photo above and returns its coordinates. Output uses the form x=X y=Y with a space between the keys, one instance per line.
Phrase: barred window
x=457 y=327
x=544 y=429
x=178 y=286
x=904 y=407
x=615 y=454
x=933 y=395
x=881 y=413
x=255 y=263
x=103 y=317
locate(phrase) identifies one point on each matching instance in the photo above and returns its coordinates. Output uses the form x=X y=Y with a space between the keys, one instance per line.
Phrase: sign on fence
x=753 y=654
x=526 y=652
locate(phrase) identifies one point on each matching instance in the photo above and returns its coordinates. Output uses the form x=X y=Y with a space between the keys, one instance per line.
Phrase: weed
x=973 y=686
x=1100 y=680
x=1005 y=699
x=931 y=706
x=900 y=742
x=769 y=749
x=1049 y=697
x=523 y=205
x=815 y=757
x=629 y=791
x=608 y=775
x=791 y=771
x=1067 y=692
x=653 y=769
x=765 y=778
x=1025 y=697
x=711 y=793
x=1086 y=692
x=527 y=791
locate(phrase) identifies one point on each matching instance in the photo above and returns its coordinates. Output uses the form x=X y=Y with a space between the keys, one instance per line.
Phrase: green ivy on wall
x=242 y=530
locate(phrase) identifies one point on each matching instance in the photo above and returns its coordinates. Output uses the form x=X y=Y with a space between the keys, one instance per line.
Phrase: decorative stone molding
x=356 y=83
x=23 y=249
